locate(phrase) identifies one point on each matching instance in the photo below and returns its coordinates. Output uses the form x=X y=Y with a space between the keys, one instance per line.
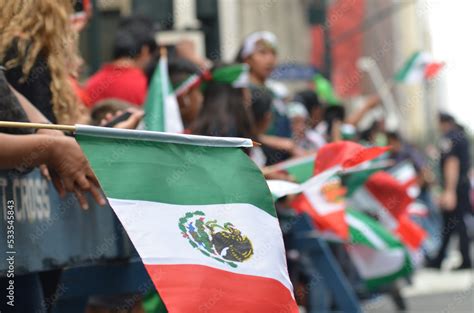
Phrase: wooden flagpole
x=67 y=128
x=163 y=52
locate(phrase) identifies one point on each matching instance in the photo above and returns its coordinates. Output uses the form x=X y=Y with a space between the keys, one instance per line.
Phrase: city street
x=434 y=292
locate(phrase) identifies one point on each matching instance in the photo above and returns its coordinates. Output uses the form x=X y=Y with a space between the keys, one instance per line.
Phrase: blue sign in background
x=294 y=72
x=50 y=232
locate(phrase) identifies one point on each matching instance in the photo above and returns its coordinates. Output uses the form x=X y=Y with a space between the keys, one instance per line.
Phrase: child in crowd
x=315 y=112
x=312 y=104
x=299 y=116
x=259 y=51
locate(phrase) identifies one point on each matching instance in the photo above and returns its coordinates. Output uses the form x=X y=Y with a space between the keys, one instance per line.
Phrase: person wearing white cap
x=259 y=52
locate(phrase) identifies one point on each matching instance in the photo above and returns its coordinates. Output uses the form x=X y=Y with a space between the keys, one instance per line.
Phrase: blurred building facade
x=328 y=34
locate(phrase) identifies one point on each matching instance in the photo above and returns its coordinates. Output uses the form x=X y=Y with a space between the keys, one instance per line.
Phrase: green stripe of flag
x=401 y=75
x=301 y=172
x=366 y=231
x=404 y=271
x=171 y=172
x=158 y=90
x=377 y=230
x=301 y=169
x=354 y=179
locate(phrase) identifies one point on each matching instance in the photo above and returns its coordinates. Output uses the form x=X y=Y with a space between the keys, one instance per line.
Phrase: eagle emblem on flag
x=333 y=191
x=224 y=243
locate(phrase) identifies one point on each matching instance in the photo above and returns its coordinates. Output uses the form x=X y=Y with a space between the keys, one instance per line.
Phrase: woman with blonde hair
x=36 y=45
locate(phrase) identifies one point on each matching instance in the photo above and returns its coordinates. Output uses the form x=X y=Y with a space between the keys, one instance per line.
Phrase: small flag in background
x=385 y=197
x=379 y=257
x=161 y=107
x=355 y=178
x=282 y=188
x=345 y=155
x=200 y=215
x=325 y=91
x=406 y=174
x=189 y=83
x=323 y=196
x=419 y=67
x=300 y=169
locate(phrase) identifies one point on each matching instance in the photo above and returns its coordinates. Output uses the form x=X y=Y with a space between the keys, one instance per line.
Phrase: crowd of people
x=39 y=82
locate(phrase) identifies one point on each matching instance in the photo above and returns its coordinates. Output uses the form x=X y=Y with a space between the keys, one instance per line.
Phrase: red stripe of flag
x=183 y=288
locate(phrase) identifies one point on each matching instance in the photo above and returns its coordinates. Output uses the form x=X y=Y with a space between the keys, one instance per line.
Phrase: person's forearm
x=32 y=112
x=24 y=151
x=451 y=173
x=336 y=134
x=357 y=116
x=275 y=142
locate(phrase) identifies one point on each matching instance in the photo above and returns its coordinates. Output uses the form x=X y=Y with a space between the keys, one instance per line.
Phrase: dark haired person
x=338 y=125
x=401 y=151
x=312 y=104
x=455 y=202
x=124 y=78
x=261 y=109
x=315 y=111
x=259 y=51
x=225 y=110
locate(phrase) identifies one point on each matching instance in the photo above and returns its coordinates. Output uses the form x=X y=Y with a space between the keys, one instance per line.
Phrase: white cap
x=251 y=41
x=296 y=109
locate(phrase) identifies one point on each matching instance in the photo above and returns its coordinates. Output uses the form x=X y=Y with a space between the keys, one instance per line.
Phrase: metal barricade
x=53 y=233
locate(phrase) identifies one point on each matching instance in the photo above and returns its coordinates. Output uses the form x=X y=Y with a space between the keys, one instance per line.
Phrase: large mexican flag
x=200 y=215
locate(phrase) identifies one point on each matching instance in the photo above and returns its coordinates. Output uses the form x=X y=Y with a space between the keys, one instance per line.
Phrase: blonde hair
x=34 y=27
